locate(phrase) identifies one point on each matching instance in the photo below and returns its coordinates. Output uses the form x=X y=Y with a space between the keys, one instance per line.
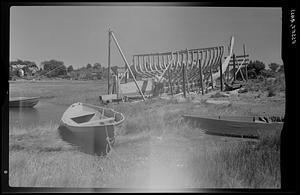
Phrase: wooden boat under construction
x=92 y=123
x=235 y=126
x=23 y=101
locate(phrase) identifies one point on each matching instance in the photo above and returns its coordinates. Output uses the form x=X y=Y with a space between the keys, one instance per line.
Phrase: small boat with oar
x=235 y=126
x=93 y=123
x=23 y=101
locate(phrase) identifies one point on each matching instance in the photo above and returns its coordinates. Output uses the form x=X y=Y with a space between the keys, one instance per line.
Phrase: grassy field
x=153 y=149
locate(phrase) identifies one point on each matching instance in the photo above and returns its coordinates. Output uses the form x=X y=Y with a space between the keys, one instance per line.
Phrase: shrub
x=257 y=66
x=271 y=91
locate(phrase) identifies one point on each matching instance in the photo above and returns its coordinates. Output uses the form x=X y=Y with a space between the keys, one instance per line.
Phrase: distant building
x=21 y=72
x=24 y=70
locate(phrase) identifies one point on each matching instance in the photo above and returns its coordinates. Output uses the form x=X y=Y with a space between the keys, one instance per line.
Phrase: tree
x=274 y=67
x=281 y=68
x=54 y=68
x=97 y=65
x=70 y=68
x=256 y=66
x=88 y=66
x=26 y=62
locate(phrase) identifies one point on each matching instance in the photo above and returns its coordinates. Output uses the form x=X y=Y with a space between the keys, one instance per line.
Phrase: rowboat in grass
x=23 y=101
x=92 y=123
x=235 y=126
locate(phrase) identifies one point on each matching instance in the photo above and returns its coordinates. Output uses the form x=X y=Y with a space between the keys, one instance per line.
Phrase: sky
x=78 y=35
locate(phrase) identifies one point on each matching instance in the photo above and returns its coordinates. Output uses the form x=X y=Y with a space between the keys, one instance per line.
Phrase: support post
x=108 y=74
x=246 y=68
x=126 y=73
x=170 y=83
x=221 y=75
x=211 y=77
x=186 y=70
x=201 y=77
x=183 y=77
x=234 y=70
x=120 y=50
x=227 y=72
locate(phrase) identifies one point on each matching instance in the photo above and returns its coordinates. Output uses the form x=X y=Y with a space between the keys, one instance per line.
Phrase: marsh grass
x=271 y=86
x=153 y=148
x=238 y=165
x=39 y=158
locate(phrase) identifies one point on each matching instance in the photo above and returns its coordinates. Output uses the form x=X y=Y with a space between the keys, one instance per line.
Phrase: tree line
x=258 y=69
x=50 y=68
x=55 y=68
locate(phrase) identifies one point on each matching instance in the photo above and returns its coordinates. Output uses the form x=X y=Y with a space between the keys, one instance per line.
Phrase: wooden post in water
x=108 y=74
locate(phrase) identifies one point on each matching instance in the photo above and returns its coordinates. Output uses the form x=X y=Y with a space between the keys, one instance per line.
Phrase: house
x=23 y=69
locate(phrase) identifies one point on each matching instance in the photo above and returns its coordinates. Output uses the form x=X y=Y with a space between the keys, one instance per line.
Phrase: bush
x=267 y=73
x=256 y=66
x=271 y=91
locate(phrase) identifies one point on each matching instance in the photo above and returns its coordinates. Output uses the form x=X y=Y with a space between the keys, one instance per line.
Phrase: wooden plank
x=239 y=61
x=241 y=56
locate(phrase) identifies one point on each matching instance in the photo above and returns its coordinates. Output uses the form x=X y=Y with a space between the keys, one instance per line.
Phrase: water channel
x=42 y=113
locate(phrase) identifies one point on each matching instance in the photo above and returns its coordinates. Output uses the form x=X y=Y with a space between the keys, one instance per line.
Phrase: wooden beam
x=239 y=60
x=211 y=76
x=108 y=74
x=246 y=65
x=240 y=56
x=221 y=75
x=183 y=76
x=126 y=73
x=185 y=71
x=120 y=50
x=234 y=77
x=201 y=77
x=228 y=73
x=170 y=83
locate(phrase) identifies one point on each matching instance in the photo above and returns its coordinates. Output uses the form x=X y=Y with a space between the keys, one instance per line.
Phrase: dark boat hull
x=91 y=140
x=243 y=128
x=23 y=102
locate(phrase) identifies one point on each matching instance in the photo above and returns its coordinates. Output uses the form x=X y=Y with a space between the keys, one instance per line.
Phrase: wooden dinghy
x=234 y=126
x=92 y=122
x=23 y=101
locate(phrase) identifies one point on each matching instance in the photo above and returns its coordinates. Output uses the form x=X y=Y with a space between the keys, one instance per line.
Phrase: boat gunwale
x=11 y=99
x=237 y=121
x=115 y=123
